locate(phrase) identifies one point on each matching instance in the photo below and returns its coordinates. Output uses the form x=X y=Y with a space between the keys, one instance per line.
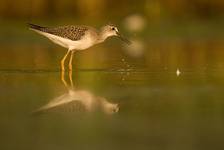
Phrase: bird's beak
x=123 y=38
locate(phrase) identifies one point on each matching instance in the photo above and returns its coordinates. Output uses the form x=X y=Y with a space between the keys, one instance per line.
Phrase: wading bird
x=76 y=38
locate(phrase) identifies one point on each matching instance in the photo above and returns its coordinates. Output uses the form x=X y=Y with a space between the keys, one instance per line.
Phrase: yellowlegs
x=76 y=38
x=79 y=101
x=75 y=100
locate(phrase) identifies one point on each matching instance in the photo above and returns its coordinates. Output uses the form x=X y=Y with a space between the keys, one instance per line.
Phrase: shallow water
x=169 y=113
x=158 y=109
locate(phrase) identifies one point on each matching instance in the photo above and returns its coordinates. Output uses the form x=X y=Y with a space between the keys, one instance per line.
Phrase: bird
x=76 y=100
x=77 y=37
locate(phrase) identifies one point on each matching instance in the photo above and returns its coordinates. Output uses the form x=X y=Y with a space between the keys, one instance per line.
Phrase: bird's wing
x=73 y=33
x=64 y=103
x=70 y=107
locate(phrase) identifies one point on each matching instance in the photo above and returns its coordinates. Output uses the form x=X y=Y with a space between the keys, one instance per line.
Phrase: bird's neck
x=102 y=37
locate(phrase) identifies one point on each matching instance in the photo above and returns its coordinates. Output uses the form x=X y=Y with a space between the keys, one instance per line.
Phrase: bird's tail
x=35 y=27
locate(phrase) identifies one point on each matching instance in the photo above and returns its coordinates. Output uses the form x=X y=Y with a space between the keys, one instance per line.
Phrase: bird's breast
x=84 y=43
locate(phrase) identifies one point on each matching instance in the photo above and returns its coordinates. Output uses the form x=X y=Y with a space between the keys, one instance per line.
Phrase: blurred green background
x=158 y=108
x=177 y=32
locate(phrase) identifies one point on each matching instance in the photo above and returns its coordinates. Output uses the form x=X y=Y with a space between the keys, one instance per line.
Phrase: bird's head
x=108 y=107
x=111 y=30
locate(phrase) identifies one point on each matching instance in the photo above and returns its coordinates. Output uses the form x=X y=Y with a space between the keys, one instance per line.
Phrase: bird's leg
x=63 y=61
x=70 y=61
x=70 y=79
x=63 y=79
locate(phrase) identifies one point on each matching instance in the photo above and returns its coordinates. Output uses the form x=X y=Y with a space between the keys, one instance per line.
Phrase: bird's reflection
x=78 y=100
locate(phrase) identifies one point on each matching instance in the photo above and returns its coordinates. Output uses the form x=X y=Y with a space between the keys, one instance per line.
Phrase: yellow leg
x=63 y=61
x=70 y=61
x=70 y=79
x=63 y=79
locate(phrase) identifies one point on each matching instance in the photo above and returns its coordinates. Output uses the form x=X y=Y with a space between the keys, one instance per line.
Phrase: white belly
x=82 y=44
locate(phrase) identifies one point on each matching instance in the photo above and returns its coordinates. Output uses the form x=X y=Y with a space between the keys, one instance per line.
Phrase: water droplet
x=178 y=72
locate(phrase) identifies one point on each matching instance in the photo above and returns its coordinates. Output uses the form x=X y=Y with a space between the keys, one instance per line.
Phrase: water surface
x=157 y=108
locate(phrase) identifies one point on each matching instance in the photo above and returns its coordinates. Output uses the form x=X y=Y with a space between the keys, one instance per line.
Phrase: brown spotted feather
x=73 y=33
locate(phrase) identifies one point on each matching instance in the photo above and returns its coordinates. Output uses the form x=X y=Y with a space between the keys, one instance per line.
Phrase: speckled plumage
x=76 y=38
x=70 y=32
x=73 y=33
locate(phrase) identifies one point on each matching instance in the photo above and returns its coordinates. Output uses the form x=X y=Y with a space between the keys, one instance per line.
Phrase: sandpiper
x=76 y=38
x=76 y=100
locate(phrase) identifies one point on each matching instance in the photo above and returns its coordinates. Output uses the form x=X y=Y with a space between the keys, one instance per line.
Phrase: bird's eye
x=112 y=28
